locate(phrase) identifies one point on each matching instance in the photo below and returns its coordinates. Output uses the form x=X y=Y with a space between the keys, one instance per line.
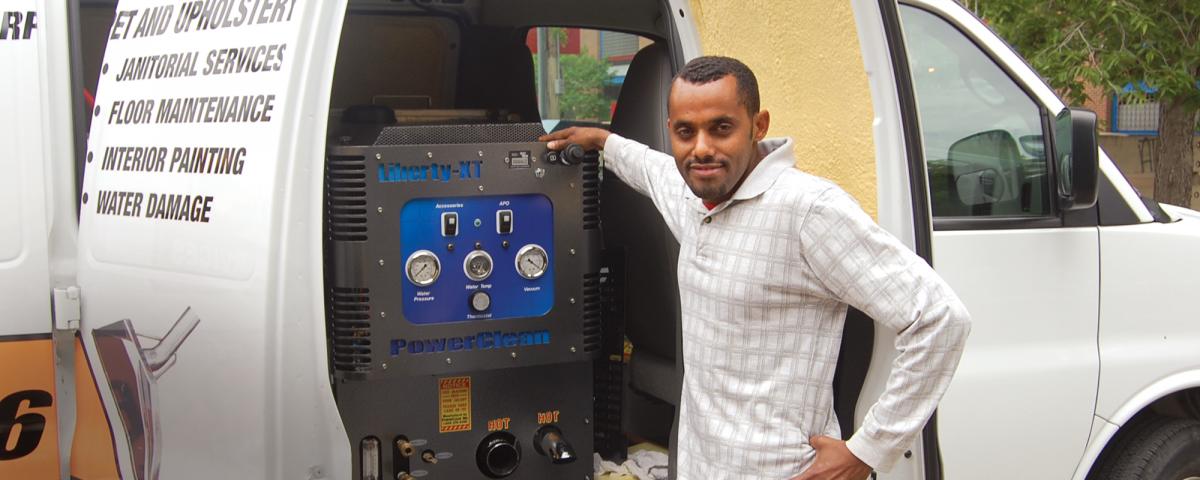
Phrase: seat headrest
x=641 y=113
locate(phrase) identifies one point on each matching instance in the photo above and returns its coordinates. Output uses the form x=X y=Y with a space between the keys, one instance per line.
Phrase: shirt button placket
x=702 y=238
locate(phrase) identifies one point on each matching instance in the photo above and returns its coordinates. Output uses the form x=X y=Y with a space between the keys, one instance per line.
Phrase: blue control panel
x=477 y=258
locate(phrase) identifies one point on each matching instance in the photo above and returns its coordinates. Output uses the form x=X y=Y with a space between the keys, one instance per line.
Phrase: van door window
x=579 y=73
x=983 y=135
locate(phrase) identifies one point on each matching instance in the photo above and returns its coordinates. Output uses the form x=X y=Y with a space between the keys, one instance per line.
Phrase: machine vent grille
x=591 y=192
x=592 y=321
x=460 y=134
x=608 y=370
x=350 y=322
x=346 y=198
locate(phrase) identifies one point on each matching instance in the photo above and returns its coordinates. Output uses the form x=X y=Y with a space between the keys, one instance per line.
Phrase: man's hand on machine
x=834 y=462
x=587 y=137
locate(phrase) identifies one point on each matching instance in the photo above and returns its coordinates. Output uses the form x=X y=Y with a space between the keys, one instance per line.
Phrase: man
x=769 y=260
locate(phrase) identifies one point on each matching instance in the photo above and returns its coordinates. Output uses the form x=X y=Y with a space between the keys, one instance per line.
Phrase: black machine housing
x=514 y=393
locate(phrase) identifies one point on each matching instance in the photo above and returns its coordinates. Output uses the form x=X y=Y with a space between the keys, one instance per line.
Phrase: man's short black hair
x=702 y=70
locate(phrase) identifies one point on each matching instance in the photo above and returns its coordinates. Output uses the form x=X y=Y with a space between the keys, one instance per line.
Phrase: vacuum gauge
x=532 y=261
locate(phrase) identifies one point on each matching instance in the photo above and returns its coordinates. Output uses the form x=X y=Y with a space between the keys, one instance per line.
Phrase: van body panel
x=1102 y=432
x=685 y=28
x=1148 y=325
x=1033 y=300
x=26 y=143
x=316 y=446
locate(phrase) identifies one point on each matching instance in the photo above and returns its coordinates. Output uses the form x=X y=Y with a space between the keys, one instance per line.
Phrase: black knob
x=498 y=455
x=549 y=441
x=571 y=155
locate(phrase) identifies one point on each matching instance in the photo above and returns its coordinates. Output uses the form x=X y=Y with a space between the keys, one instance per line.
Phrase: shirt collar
x=777 y=157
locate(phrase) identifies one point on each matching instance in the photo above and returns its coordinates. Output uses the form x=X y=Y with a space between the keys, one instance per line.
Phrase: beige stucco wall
x=811 y=77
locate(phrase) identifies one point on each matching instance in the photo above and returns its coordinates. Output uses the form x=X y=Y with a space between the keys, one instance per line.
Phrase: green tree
x=1074 y=43
x=584 y=77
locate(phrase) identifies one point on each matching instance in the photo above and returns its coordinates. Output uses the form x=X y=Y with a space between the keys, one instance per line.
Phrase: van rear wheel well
x=1181 y=406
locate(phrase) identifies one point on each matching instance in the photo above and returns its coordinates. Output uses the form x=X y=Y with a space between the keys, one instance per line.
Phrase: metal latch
x=66 y=308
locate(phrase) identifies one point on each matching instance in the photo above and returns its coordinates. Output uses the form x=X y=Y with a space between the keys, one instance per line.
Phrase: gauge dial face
x=478 y=265
x=422 y=268
x=532 y=261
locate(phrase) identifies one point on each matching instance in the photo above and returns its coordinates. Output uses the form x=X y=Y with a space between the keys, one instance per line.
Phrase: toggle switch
x=450 y=224
x=504 y=222
x=549 y=441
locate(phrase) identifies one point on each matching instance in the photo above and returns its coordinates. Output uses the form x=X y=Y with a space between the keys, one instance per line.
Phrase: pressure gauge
x=532 y=261
x=422 y=268
x=478 y=265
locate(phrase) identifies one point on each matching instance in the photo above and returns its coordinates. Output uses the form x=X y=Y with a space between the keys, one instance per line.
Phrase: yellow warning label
x=454 y=404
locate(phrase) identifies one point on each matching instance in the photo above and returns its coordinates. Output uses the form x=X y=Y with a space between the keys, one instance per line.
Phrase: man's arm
x=866 y=267
x=639 y=166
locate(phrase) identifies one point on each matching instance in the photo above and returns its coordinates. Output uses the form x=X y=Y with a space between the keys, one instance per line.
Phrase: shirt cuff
x=871 y=452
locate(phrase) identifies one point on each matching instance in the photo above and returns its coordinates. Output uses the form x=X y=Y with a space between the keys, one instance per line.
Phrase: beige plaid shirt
x=764 y=282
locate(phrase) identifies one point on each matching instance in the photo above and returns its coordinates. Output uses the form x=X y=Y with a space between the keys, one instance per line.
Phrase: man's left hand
x=834 y=462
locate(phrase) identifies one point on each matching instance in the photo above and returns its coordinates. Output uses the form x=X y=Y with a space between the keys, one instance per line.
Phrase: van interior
x=457 y=62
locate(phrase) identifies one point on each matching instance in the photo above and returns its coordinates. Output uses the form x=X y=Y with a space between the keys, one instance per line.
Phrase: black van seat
x=633 y=225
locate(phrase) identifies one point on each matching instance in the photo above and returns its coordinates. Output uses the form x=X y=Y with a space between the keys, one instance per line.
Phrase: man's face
x=713 y=137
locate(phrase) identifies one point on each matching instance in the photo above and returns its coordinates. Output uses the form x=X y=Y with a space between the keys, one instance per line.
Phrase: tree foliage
x=1111 y=43
x=584 y=77
x=1105 y=42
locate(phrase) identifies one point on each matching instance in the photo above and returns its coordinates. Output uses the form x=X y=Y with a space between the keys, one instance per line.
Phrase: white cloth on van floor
x=642 y=465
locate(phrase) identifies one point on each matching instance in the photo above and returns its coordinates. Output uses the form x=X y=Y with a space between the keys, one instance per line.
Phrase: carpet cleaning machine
x=463 y=293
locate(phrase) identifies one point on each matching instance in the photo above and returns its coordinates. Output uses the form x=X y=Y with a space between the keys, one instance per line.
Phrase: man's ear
x=762 y=123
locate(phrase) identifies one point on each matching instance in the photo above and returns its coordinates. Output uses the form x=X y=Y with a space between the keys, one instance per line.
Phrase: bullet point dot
x=89 y=157
x=84 y=197
x=97 y=110
x=104 y=69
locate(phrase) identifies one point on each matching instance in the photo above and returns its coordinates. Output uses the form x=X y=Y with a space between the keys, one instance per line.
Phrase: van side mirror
x=1076 y=158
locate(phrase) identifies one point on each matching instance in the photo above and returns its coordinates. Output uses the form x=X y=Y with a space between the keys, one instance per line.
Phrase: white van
x=169 y=299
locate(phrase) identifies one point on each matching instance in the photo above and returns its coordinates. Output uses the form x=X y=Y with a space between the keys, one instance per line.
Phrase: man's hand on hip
x=834 y=462
x=587 y=137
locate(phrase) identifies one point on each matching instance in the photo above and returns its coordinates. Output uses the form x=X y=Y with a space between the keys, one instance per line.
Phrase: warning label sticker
x=454 y=404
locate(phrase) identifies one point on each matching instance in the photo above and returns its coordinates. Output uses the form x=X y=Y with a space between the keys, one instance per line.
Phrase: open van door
x=204 y=324
x=902 y=209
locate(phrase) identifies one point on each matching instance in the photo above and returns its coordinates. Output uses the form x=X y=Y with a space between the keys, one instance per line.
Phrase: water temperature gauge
x=478 y=265
x=532 y=261
x=422 y=268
